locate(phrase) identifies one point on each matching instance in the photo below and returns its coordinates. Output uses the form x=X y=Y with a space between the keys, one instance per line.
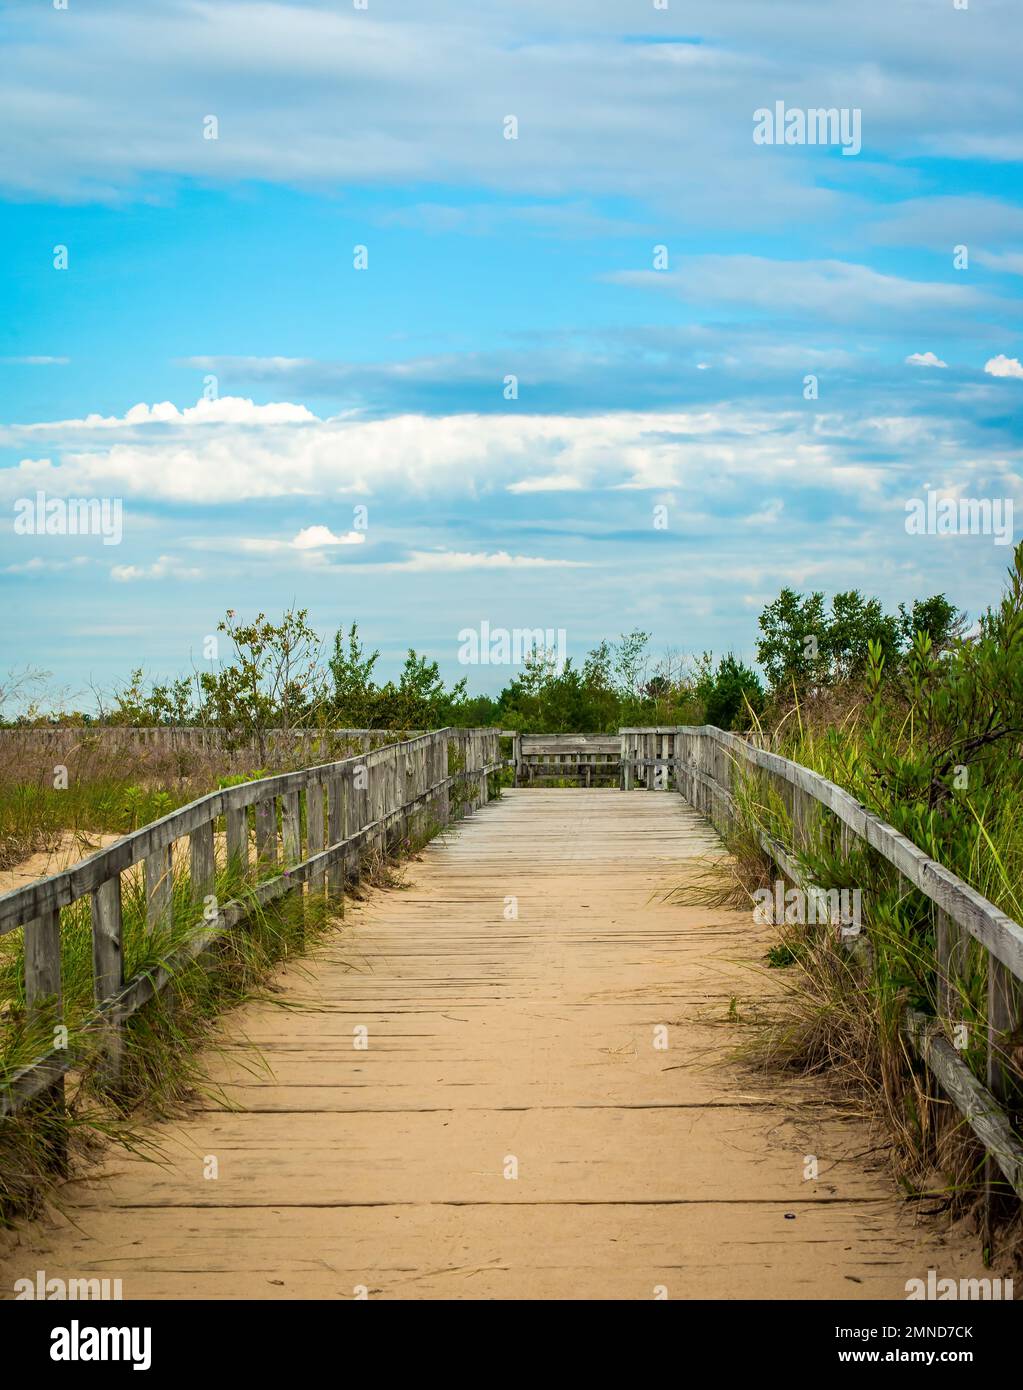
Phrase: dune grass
x=164 y=1041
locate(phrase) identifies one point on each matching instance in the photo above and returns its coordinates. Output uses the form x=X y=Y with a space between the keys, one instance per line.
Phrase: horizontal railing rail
x=590 y=759
x=703 y=763
x=360 y=802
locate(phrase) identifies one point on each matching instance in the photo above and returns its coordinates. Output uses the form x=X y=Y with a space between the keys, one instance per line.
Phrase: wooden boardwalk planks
x=509 y=996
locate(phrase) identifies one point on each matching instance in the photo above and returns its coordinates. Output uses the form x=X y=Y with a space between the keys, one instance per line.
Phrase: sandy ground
x=70 y=850
x=512 y=1127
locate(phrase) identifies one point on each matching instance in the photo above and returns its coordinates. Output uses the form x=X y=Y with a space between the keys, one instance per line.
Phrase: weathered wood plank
x=43 y=996
x=336 y=834
x=58 y=890
x=316 y=831
x=237 y=819
x=46 y=1071
x=957 y=907
x=973 y=1100
x=108 y=972
x=291 y=827
x=202 y=861
x=266 y=834
x=159 y=880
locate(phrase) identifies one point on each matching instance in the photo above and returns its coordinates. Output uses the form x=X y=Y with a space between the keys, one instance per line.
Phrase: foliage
x=352 y=673
x=805 y=646
x=275 y=680
x=732 y=696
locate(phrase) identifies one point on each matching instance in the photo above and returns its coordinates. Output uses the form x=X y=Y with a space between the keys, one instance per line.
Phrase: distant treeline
x=280 y=675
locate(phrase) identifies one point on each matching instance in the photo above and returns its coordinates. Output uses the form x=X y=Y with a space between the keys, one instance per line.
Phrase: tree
x=732 y=695
x=352 y=672
x=275 y=679
x=853 y=624
x=422 y=700
x=943 y=623
x=806 y=645
x=630 y=660
x=790 y=649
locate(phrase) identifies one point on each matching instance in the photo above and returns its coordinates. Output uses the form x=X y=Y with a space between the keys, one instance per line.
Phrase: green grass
x=843 y=1010
x=165 y=1039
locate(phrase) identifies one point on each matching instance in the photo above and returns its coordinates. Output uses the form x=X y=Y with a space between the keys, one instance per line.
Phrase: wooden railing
x=329 y=816
x=590 y=759
x=704 y=763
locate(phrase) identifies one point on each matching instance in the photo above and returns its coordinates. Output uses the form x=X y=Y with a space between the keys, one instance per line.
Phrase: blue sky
x=679 y=387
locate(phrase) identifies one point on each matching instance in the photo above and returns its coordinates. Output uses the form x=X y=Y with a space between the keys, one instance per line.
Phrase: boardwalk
x=511 y=992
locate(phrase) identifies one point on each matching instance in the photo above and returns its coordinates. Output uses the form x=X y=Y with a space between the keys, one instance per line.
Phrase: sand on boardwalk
x=512 y=1078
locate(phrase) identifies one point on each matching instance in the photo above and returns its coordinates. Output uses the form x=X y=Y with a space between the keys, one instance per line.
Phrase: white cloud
x=1004 y=366
x=161 y=568
x=553 y=482
x=225 y=410
x=36 y=361
x=315 y=537
x=925 y=359
x=1010 y=262
x=194 y=462
x=598 y=113
x=310 y=539
x=37 y=565
x=840 y=291
x=451 y=561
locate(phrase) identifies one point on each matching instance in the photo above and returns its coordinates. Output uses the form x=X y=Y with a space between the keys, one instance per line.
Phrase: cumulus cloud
x=1004 y=366
x=311 y=540
x=925 y=359
x=315 y=537
x=191 y=461
x=225 y=410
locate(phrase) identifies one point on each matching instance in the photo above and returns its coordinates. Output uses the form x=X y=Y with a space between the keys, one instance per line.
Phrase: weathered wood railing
x=704 y=764
x=370 y=801
x=590 y=759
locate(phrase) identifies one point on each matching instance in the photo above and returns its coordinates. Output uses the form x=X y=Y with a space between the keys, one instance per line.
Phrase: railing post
x=353 y=821
x=43 y=997
x=945 y=935
x=238 y=839
x=291 y=817
x=202 y=861
x=159 y=879
x=1003 y=1018
x=266 y=834
x=335 y=834
x=445 y=766
x=315 y=832
x=108 y=973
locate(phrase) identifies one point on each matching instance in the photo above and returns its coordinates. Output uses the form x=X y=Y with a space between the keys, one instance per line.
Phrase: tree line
x=279 y=674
